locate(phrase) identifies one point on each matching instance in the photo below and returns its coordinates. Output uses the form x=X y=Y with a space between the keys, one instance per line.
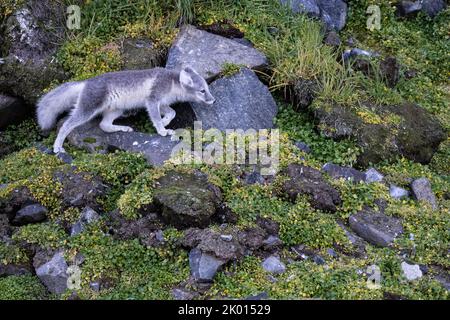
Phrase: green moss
x=402 y=171
x=86 y=57
x=25 y=164
x=139 y=193
x=426 y=235
x=229 y=69
x=21 y=288
x=300 y=128
x=20 y=136
x=11 y=254
x=304 y=225
x=355 y=196
x=419 y=43
x=46 y=235
x=137 y=272
x=441 y=159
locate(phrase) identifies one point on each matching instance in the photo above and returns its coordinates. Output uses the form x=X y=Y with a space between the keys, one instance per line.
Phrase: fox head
x=195 y=87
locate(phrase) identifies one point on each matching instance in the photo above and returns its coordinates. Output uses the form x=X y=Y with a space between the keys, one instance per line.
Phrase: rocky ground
x=360 y=208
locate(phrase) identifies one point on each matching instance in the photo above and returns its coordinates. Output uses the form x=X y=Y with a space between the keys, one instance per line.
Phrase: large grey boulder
x=207 y=53
x=242 y=102
x=421 y=190
x=333 y=13
x=12 y=110
x=155 y=148
x=53 y=273
x=376 y=227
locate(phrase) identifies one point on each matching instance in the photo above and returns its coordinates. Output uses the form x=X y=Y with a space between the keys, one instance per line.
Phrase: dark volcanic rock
x=242 y=102
x=5 y=228
x=332 y=39
x=147 y=229
x=333 y=13
x=409 y=131
x=17 y=199
x=223 y=247
x=30 y=214
x=421 y=190
x=195 y=48
x=12 y=269
x=305 y=91
x=375 y=227
x=186 y=200
x=309 y=181
x=390 y=71
x=12 y=111
x=80 y=189
x=347 y=173
x=252 y=238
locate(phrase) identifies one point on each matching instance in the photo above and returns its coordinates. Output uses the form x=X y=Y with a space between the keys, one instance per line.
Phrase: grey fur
x=111 y=94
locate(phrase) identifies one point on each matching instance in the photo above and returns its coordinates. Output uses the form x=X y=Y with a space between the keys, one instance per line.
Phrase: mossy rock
x=29 y=80
x=383 y=131
x=141 y=54
x=187 y=200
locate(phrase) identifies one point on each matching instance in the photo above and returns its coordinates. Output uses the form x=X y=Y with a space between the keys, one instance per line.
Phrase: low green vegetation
x=21 y=288
x=126 y=269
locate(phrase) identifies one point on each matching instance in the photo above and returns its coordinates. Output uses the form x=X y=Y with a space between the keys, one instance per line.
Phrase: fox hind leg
x=77 y=118
x=107 y=122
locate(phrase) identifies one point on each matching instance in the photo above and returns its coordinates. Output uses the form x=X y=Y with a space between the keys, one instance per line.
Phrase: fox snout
x=210 y=101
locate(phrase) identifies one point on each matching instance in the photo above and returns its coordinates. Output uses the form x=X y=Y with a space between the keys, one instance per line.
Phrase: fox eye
x=203 y=91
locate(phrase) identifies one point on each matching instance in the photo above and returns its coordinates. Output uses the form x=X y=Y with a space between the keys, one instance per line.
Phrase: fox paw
x=166 y=132
x=125 y=129
x=57 y=150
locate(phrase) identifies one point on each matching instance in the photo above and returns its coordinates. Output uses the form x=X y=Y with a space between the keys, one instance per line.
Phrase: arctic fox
x=111 y=94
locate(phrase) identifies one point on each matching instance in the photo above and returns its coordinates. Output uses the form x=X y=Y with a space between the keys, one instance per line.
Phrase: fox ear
x=185 y=78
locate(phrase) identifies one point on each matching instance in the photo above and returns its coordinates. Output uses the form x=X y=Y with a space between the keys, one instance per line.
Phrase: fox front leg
x=153 y=110
x=169 y=115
